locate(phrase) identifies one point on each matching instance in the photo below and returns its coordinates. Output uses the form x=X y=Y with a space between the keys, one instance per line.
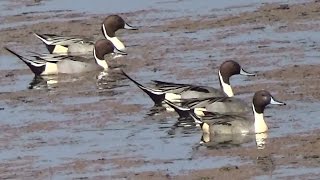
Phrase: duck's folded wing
x=53 y=39
x=47 y=57
x=169 y=85
x=219 y=118
x=54 y=58
x=201 y=102
x=178 y=87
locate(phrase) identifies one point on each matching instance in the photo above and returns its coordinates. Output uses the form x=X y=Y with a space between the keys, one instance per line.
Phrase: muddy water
x=65 y=127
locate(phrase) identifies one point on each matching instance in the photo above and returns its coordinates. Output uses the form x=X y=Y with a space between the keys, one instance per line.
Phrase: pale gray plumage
x=45 y=64
x=73 y=45
x=176 y=91
x=242 y=123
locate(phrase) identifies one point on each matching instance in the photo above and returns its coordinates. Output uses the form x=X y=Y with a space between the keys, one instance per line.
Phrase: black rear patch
x=50 y=48
x=36 y=70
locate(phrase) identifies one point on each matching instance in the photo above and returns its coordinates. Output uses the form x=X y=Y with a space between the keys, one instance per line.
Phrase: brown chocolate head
x=103 y=47
x=113 y=23
x=230 y=68
x=263 y=98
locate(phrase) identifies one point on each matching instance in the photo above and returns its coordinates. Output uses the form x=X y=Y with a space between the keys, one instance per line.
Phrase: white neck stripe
x=100 y=62
x=260 y=125
x=105 y=32
x=226 y=87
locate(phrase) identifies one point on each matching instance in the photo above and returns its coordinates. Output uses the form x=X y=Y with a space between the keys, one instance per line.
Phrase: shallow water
x=100 y=6
x=94 y=126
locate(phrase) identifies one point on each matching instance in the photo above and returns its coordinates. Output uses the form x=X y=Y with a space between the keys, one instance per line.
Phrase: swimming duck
x=63 y=45
x=175 y=91
x=46 y=64
x=245 y=123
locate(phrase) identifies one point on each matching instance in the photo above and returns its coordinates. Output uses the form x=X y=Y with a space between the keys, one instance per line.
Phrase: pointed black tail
x=37 y=70
x=183 y=112
x=156 y=95
x=45 y=41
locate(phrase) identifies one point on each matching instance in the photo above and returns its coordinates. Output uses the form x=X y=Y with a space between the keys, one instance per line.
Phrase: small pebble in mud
x=229 y=168
x=10 y=74
x=311 y=157
x=304 y=14
x=284 y=6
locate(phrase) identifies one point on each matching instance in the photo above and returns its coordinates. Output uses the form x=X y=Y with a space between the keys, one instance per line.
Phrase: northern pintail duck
x=174 y=91
x=63 y=45
x=215 y=123
x=45 y=64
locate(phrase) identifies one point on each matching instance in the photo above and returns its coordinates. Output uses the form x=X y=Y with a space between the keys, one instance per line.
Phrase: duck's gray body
x=74 y=46
x=46 y=64
x=81 y=48
x=238 y=123
x=72 y=67
x=217 y=104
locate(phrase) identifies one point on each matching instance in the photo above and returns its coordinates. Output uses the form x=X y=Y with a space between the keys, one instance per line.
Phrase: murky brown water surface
x=79 y=127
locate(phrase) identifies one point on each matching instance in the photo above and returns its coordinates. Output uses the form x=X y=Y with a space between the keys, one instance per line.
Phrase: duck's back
x=71 y=67
x=201 y=92
x=229 y=105
x=81 y=48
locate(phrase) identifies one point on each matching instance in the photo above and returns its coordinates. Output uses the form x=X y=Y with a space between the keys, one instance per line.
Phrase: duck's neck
x=260 y=125
x=115 y=41
x=225 y=87
x=102 y=63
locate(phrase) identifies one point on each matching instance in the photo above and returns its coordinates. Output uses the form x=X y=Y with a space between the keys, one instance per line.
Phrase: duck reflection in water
x=39 y=82
x=223 y=141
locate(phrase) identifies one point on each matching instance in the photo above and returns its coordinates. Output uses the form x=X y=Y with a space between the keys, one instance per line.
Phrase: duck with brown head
x=215 y=123
x=176 y=92
x=73 y=45
x=227 y=70
x=112 y=24
x=46 y=64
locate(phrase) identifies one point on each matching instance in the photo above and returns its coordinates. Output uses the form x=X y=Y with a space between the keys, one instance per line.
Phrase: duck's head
x=113 y=23
x=230 y=68
x=103 y=47
x=263 y=98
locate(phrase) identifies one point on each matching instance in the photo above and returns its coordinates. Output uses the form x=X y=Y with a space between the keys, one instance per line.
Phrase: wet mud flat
x=78 y=127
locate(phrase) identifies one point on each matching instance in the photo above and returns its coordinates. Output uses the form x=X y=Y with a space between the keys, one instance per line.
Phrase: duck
x=175 y=91
x=72 y=45
x=48 y=64
x=238 y=123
